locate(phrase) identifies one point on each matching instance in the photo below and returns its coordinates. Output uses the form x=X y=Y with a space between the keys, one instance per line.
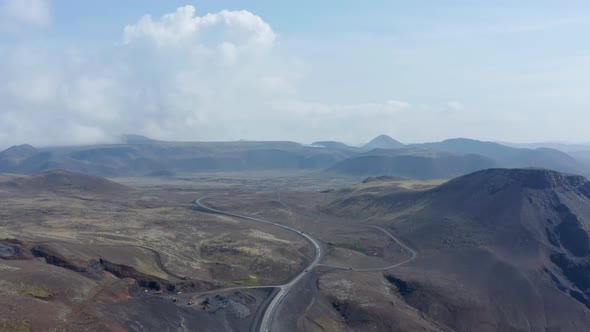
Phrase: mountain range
x=139 y=155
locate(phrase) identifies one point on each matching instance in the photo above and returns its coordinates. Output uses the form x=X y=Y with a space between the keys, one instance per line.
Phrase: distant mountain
x=449 y=158
x=454 y=157
x=506 y=249
x=415 y=164
x=25 y=159
x=565 y=147
x=465 y=145
x=383 y=142
x=137 y=139
x=510 y=157
x=147 y=158
x=18 y=152
x=12 y=158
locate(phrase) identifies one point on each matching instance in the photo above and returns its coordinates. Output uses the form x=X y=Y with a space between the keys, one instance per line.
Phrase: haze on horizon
x=87 y=72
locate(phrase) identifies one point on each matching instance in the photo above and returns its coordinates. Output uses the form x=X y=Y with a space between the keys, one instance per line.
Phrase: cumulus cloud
x=227 y=29
x=32 y=12
x=181 y=76
x=188 y=77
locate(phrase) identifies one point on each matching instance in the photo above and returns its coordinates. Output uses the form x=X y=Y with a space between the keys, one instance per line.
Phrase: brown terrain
x=84 y=253
x=496 y=250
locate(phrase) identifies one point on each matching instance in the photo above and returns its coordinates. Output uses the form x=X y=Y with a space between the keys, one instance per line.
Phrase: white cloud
x=181 y=76
x=455 y=106
x=33 y=12
x=188 y=77
x=229 y=30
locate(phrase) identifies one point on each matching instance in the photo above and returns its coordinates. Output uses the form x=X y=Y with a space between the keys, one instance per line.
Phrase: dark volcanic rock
x=54 y=258
x=573 y=236
x=492 y=242
x=152 y=282
x=8 y=250
x=403 y=287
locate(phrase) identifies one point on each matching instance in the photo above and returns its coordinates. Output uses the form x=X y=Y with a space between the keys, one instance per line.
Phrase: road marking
x=284 y=289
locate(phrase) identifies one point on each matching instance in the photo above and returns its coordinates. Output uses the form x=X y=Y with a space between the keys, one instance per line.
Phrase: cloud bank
x=182 y=76
x=15 y=13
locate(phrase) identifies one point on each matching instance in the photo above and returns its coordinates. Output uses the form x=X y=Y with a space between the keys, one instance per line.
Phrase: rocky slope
x=499 y=250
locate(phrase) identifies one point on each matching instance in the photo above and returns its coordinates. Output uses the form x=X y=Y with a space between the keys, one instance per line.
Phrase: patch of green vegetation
x=14 y=326
x=328 y=325
x=358 y=247
x=227 y=259
x=251 y=281
x=36 y=291
x=147 y=264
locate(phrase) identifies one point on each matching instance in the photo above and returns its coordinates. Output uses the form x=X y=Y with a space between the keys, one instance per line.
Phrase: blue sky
x=302 y=70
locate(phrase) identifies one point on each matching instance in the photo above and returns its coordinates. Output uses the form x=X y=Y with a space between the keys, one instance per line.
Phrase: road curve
x=284 y=289
x=413 y=254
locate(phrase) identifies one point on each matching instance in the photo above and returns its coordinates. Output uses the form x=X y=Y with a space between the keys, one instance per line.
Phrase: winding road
x=412 y=252
x=413 y=256
x=284 y=289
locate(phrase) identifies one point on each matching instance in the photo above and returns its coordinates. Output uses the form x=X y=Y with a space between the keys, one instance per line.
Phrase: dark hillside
x=415 y=164
x=511 y=157
x=59 y=180
x=500 y=249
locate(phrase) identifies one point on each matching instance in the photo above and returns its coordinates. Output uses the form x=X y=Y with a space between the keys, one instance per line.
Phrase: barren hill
x=59 y=180
x=152 y=157
x=412 y=163
x=499 y=249
x=511 y=157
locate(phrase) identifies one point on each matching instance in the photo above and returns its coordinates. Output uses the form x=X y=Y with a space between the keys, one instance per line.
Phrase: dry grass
x=38 y=291
x=8 y=325
x=159 y=215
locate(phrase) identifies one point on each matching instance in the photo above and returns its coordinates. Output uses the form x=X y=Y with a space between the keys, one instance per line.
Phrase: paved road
x=284 y=289
x=413 y=256
x=412 y=252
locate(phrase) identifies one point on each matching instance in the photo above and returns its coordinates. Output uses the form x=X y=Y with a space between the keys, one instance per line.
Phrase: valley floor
x=302 y=251
x=98 y=258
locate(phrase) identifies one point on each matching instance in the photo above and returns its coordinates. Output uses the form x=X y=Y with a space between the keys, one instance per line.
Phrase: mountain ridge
x=430 y=160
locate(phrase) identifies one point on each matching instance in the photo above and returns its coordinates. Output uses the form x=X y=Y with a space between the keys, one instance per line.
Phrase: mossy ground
x=37 y=291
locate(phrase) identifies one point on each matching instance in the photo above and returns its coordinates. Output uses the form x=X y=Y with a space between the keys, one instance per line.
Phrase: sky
x=85 y=72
